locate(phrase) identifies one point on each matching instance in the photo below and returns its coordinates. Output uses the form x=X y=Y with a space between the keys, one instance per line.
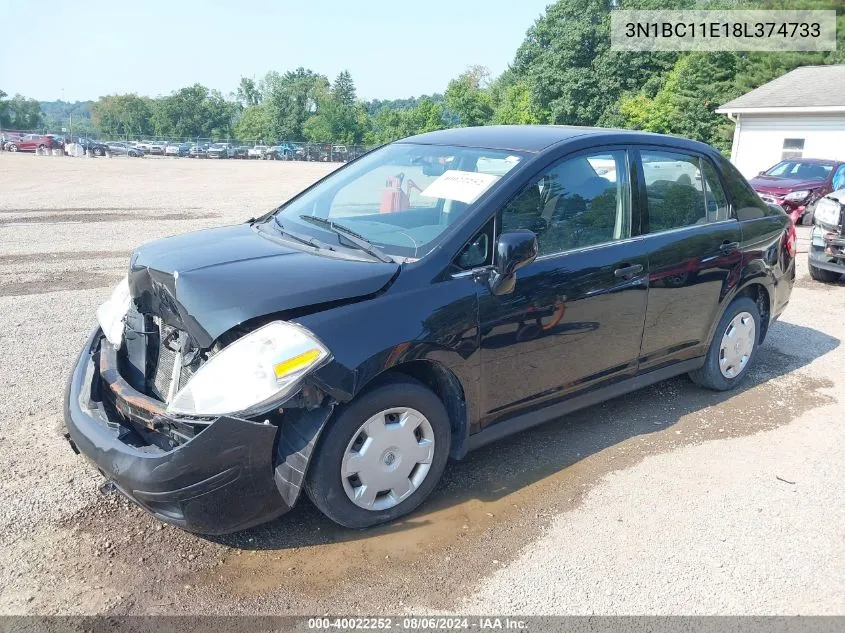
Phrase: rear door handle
x=628 y=272
x=729 y=247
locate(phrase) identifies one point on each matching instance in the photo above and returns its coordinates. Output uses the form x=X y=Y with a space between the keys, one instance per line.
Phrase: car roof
x=536 y=138
x=812 y=161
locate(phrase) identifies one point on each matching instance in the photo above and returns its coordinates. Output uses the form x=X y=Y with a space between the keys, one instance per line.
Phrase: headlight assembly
x=261 y=367
x=797 y=196
x=827 y=212
x=110 y=314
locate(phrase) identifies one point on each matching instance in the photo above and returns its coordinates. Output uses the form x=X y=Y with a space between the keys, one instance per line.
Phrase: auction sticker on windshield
x=462 y=186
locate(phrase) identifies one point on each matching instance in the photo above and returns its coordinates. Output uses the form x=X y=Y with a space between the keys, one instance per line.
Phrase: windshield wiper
x=310 y=241
x=351 y=236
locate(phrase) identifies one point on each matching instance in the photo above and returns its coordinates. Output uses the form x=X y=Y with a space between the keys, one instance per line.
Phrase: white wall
x=759 y=144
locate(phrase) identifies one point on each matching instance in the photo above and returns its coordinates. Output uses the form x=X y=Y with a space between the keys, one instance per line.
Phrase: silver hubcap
x=737 y=345
x=388 y=458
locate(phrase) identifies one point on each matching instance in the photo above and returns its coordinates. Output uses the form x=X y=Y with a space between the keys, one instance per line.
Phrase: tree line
x=564 y=72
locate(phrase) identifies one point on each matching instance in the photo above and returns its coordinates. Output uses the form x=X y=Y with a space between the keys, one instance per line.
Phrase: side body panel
x=569 y=324
x=690 y=275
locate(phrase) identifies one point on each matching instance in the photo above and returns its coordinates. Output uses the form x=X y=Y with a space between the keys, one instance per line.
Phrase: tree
x=4 y=110
x=339 y=117
x=516 y=107
x=686 y=104
x=290 y=99
x=465 y=98
x=123 y=116
x=248 y=93
x=253 y=124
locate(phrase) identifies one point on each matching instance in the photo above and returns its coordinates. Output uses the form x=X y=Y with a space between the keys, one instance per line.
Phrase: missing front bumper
x=235 y=474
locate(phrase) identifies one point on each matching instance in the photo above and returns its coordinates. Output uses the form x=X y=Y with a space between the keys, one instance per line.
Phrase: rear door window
x=682 y=190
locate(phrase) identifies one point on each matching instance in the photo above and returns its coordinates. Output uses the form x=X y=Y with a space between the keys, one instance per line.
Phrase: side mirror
x=514 y=250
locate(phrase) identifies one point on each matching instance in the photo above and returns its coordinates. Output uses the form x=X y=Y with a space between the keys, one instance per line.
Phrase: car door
x=575 y=316
x=694 y=257
x=28 y=143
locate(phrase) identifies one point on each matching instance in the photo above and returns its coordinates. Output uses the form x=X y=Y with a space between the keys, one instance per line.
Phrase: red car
x=796 y=184
x=32 y=142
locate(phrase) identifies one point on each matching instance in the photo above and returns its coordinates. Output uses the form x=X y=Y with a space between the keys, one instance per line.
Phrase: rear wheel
x=381 y=456
x=733 y=348
x=822 y=275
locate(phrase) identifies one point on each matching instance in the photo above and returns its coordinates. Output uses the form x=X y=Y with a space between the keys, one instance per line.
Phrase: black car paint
x=573 y=332
x=252 y=275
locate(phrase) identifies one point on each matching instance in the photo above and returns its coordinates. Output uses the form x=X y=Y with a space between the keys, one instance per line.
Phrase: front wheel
x=733 y=347
x=98 y=151
x=13 y=148
x=381 y=455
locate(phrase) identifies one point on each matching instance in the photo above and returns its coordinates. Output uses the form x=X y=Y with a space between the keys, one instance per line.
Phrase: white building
x=798 y=115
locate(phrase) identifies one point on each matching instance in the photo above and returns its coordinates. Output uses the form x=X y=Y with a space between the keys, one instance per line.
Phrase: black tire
x=323 y=483
x=98 y=151
x=822 y=275
x=13 y=148
x=710 y=376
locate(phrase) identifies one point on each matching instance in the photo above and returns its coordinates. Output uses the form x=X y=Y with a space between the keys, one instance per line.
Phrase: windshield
x=400 y=198
x=799 y=169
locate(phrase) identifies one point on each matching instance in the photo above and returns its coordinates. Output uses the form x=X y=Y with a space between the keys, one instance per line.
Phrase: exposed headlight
x=110 y=314
x=827 y=212
x=797 y=196
x=263 y=366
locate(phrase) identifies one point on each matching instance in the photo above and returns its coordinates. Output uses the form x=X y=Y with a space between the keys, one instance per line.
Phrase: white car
x=257 y=151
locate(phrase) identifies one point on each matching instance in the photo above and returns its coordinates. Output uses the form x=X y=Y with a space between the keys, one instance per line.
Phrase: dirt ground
x=669 y=500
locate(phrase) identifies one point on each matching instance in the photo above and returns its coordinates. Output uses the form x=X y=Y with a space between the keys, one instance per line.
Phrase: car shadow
x=509 y=465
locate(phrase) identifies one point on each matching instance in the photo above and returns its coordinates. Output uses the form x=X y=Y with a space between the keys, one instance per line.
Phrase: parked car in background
x=826 y=255
x=119 y=148
x=33 y=142
x=283 y=151
x=796 y=184
x=157 y=148
x=143 y=146
x=177 y=149
x=94 y=147
x=339 y=153
x=220 y=150
x=352 y=340
x=257 y=151
x=241 y=151
x=9 y=138
x=197 y=151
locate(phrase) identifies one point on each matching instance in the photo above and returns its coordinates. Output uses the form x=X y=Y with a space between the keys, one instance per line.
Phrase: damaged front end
x=827 y=242
x=197 y=395
x=209 y=474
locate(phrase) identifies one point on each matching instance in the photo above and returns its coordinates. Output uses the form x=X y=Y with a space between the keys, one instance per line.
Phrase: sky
x=393 y=48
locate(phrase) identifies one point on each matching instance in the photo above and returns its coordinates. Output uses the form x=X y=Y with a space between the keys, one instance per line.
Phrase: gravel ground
x=671 y=500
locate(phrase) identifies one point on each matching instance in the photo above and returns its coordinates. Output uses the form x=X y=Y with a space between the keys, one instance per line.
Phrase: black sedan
x=93 y=147
x=433 y=296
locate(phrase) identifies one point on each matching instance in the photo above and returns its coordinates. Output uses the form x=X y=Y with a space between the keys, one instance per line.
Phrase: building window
x=792 y=148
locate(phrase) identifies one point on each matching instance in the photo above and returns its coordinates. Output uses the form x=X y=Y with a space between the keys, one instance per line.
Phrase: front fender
x=438 y=323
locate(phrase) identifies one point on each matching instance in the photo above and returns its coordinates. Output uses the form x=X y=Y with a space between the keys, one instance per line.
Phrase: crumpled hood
x=782 y=186
x=209 y=281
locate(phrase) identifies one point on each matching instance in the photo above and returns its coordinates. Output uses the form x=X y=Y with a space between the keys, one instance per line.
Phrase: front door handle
x=728 y=247
x=628 y=272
